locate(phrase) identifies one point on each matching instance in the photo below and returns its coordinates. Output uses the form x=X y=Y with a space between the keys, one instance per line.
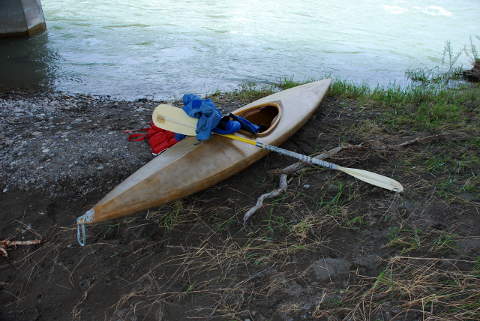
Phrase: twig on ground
x=281 y=188
x=377 y=146
x=6 y=243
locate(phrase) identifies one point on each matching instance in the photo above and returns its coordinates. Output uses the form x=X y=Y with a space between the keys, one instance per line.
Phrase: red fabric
x=158 y=139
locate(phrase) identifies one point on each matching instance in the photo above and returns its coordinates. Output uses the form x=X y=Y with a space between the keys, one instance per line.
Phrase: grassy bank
x=412 y=256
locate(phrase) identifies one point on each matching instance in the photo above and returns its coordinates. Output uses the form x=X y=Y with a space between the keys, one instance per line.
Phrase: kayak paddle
x=174 y=119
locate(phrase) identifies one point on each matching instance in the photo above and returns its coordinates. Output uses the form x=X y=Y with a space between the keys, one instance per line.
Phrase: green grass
x=440 y=74
x=426 y=116
x=172 y=217
x=347 y=89
x=472 y=184
x=476 y=267
x=417 y=107
x=437 y=164
x=473 y=51
x=434 y=75
x=274 y=223
x=356 y=222
x=333 y=205
x=246 y=93
x=224 y=224
x=384 y=278
x=405 y=239
x=286 y=83
x=444 y=242
x=250 y=91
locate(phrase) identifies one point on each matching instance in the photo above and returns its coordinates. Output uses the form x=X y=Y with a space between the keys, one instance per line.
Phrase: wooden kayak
x=190 y=166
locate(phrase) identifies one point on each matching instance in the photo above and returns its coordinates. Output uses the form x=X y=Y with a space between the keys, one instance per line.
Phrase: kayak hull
x=191 y=166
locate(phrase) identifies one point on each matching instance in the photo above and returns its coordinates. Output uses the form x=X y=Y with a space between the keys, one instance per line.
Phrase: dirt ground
x=330 y=248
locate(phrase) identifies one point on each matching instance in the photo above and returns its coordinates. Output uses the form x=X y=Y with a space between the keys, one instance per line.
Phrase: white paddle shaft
x=301 y=157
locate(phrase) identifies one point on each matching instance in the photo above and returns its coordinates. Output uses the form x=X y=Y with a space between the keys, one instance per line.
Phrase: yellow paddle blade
x=373 y=178
x=174 y=119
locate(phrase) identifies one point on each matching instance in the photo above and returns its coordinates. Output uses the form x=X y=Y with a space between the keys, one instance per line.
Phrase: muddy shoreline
x=330 y=248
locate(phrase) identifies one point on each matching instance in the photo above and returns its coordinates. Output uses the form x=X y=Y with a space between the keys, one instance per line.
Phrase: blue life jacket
x=210 y=119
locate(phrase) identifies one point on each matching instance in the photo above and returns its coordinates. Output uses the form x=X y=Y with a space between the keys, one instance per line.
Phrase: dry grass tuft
x=429 y=289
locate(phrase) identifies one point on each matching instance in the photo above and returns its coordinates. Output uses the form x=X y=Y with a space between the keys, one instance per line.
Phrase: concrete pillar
x=21 y=18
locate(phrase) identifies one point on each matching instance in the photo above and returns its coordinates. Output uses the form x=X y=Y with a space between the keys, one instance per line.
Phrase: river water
x=162 y=49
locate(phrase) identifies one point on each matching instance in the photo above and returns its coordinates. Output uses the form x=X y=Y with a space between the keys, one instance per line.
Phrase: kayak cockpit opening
x=266 y=116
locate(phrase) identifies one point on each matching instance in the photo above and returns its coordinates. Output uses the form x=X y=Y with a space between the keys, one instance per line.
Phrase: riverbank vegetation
x=411 y=256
